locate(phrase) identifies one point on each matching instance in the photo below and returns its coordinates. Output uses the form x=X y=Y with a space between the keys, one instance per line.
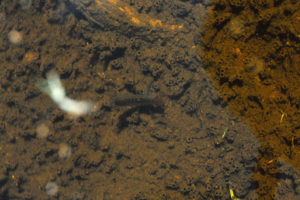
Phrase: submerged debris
x=53 y=87
x=138 y=100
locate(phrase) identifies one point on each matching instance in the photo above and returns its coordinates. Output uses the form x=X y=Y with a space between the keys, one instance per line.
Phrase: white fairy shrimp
x=53 y=87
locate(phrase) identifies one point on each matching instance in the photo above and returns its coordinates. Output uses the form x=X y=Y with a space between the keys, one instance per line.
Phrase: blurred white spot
x=14 y=37
x=53 y=87
x=64 y=151
x=42 y=131
x=51 y=188
x=25 y=4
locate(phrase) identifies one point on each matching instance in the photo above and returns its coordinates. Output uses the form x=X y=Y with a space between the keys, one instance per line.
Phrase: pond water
x=133 y=99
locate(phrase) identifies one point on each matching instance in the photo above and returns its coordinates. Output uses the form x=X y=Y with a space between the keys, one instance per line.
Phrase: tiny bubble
x=14 y=37
x=42 y=131
x=51 y=188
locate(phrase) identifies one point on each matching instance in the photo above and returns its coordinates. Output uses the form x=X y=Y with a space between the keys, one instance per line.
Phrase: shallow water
x=227 y=72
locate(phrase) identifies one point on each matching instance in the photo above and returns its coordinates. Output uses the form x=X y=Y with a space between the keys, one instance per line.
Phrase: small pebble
x=64 y=151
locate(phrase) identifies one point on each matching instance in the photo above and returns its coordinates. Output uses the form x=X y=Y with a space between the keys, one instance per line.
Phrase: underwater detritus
x=138 y=100
x=120 y=16
x=138 y=103
x=53 y=87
